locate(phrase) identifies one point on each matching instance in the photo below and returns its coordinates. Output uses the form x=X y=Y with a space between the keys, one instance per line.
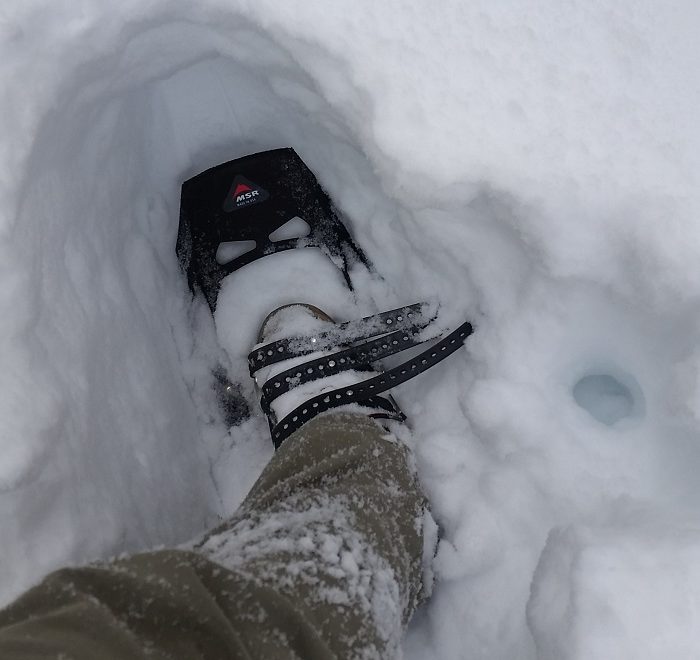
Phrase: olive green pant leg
x=322 y=560
x=335 y=524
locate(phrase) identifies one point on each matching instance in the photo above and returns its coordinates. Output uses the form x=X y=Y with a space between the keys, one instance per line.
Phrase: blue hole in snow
x=605 y=397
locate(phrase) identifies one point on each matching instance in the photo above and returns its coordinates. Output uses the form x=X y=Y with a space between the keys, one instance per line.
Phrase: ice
x=534 y=167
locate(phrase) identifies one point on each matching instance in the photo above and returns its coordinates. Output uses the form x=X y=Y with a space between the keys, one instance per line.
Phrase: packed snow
x=532 y=166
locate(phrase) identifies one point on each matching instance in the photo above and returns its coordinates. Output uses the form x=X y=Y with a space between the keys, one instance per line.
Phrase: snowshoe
x=265 y=203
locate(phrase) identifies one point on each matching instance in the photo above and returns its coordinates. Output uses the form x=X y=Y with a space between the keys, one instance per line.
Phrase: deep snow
x=534 y=166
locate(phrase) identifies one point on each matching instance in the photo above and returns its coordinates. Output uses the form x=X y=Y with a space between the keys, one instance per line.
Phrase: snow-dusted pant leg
x=323 y=559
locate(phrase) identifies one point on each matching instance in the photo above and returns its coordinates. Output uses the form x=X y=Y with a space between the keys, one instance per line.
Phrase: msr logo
x=243 y=193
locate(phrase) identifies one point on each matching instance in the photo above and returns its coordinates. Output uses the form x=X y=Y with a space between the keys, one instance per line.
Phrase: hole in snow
x=607 y=398
x=230 y=250
x=295 y=228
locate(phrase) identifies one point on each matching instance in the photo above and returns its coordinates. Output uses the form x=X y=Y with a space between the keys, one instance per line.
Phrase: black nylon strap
x=356 y=357
x=403 y=318
x=365 y=392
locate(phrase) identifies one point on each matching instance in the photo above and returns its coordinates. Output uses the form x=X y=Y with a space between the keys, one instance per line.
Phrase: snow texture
x=313 y=542
x=533 y=166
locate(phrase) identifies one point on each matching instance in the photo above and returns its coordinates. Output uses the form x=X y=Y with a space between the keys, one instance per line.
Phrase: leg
x=335 y=524
x=322 y=560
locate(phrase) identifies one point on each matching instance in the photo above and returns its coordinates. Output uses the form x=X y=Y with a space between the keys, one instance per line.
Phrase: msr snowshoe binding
x=265 y=203
x=326 y=380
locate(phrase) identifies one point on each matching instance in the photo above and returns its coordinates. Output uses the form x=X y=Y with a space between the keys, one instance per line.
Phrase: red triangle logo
x=241 y=188
x=243 y=193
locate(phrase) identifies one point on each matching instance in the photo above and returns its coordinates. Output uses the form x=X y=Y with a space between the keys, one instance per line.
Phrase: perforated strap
x=365 y=391
x=415 y=316
x=357 y=357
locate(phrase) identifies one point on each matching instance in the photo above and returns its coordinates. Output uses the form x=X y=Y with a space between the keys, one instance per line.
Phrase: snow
x=534 y=166
x=607 y=579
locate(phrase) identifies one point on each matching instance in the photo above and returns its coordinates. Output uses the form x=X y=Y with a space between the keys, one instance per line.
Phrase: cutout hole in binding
x=294 y=228
x=230 y=250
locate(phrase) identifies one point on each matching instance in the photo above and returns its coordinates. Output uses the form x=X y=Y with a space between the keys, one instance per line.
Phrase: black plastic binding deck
x=245 y=201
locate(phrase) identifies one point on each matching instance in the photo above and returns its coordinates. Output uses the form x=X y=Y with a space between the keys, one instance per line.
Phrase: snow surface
x=534 y=166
